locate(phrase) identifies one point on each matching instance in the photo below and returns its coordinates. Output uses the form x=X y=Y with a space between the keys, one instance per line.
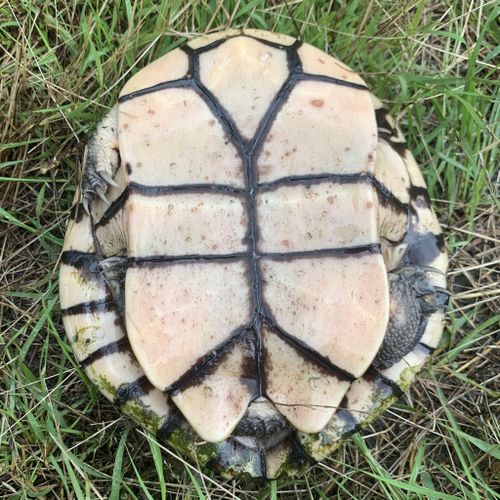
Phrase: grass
x=62 y=64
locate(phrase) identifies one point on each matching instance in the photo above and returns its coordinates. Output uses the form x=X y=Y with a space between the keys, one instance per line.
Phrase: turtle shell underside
x=262 y=197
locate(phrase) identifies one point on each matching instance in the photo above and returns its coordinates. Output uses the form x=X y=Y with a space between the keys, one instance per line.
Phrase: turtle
x=252 y=270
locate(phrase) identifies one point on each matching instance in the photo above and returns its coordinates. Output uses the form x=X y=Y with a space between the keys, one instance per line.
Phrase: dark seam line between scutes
x=78 y=259
x=111 y=348
x=269 y=116
x=158 y=260
x=308 y=180
x=153 y=260
x=206 y=361
x=217 y=43
x=310 y=353
x=311 y=77
x=293 y=59
x=326 y=252
x=222 y=115
x=113 y=209
x=275 y=45
x=428 y=347
x=142 y=189
x=381 y=119
x=93 y=306
x=184 y=188
x=387 y=194
x=171 y=84
x=205 y=48
x=152 y=191
x=396 y=144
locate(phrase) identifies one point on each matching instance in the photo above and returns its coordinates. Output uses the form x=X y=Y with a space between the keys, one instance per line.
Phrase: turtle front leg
x=413 y=298
x=101 y=160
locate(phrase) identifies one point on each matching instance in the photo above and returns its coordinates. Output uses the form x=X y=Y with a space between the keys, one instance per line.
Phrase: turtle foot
x=101 y=161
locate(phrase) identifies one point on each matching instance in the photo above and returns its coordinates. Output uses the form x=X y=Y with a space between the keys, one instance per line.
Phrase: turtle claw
x=85 y=204
x=96 y=183
x=100 y=192
x=107 y=178
x=101 y=161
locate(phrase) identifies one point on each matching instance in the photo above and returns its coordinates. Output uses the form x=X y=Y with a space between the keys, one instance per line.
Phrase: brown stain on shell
x=317 y=103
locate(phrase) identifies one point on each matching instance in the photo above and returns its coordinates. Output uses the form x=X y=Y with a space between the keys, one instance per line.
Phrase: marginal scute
x=315 y=113
x=287 y=458
x=433 y=329
x=337 y=306
x=324 y=215
x=79 y=236
x=244 y=75
x=306 y=394
x=171 y=66
x=276 y=458
x=177 y=313
x=192 y=223
x=390 y=171
x=157 y=401
x=110 y=371
x=425 y=217
x=89 y=332
x=112 y=236
x=416 y=177
x=215 y=404
x=404 y=372
x=151 y=410
x=364 y=396
x=158 y=138
x=319 y=445
x=77 y=286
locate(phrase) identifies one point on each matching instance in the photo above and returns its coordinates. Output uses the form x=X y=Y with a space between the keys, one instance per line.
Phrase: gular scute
x=245 y=76
x=226 y=280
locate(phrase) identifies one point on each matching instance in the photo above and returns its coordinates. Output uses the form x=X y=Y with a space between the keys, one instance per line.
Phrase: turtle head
x=431 y=298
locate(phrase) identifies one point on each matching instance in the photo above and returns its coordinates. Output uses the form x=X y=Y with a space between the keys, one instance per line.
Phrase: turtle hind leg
x=102 y=160
x=413 y=298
